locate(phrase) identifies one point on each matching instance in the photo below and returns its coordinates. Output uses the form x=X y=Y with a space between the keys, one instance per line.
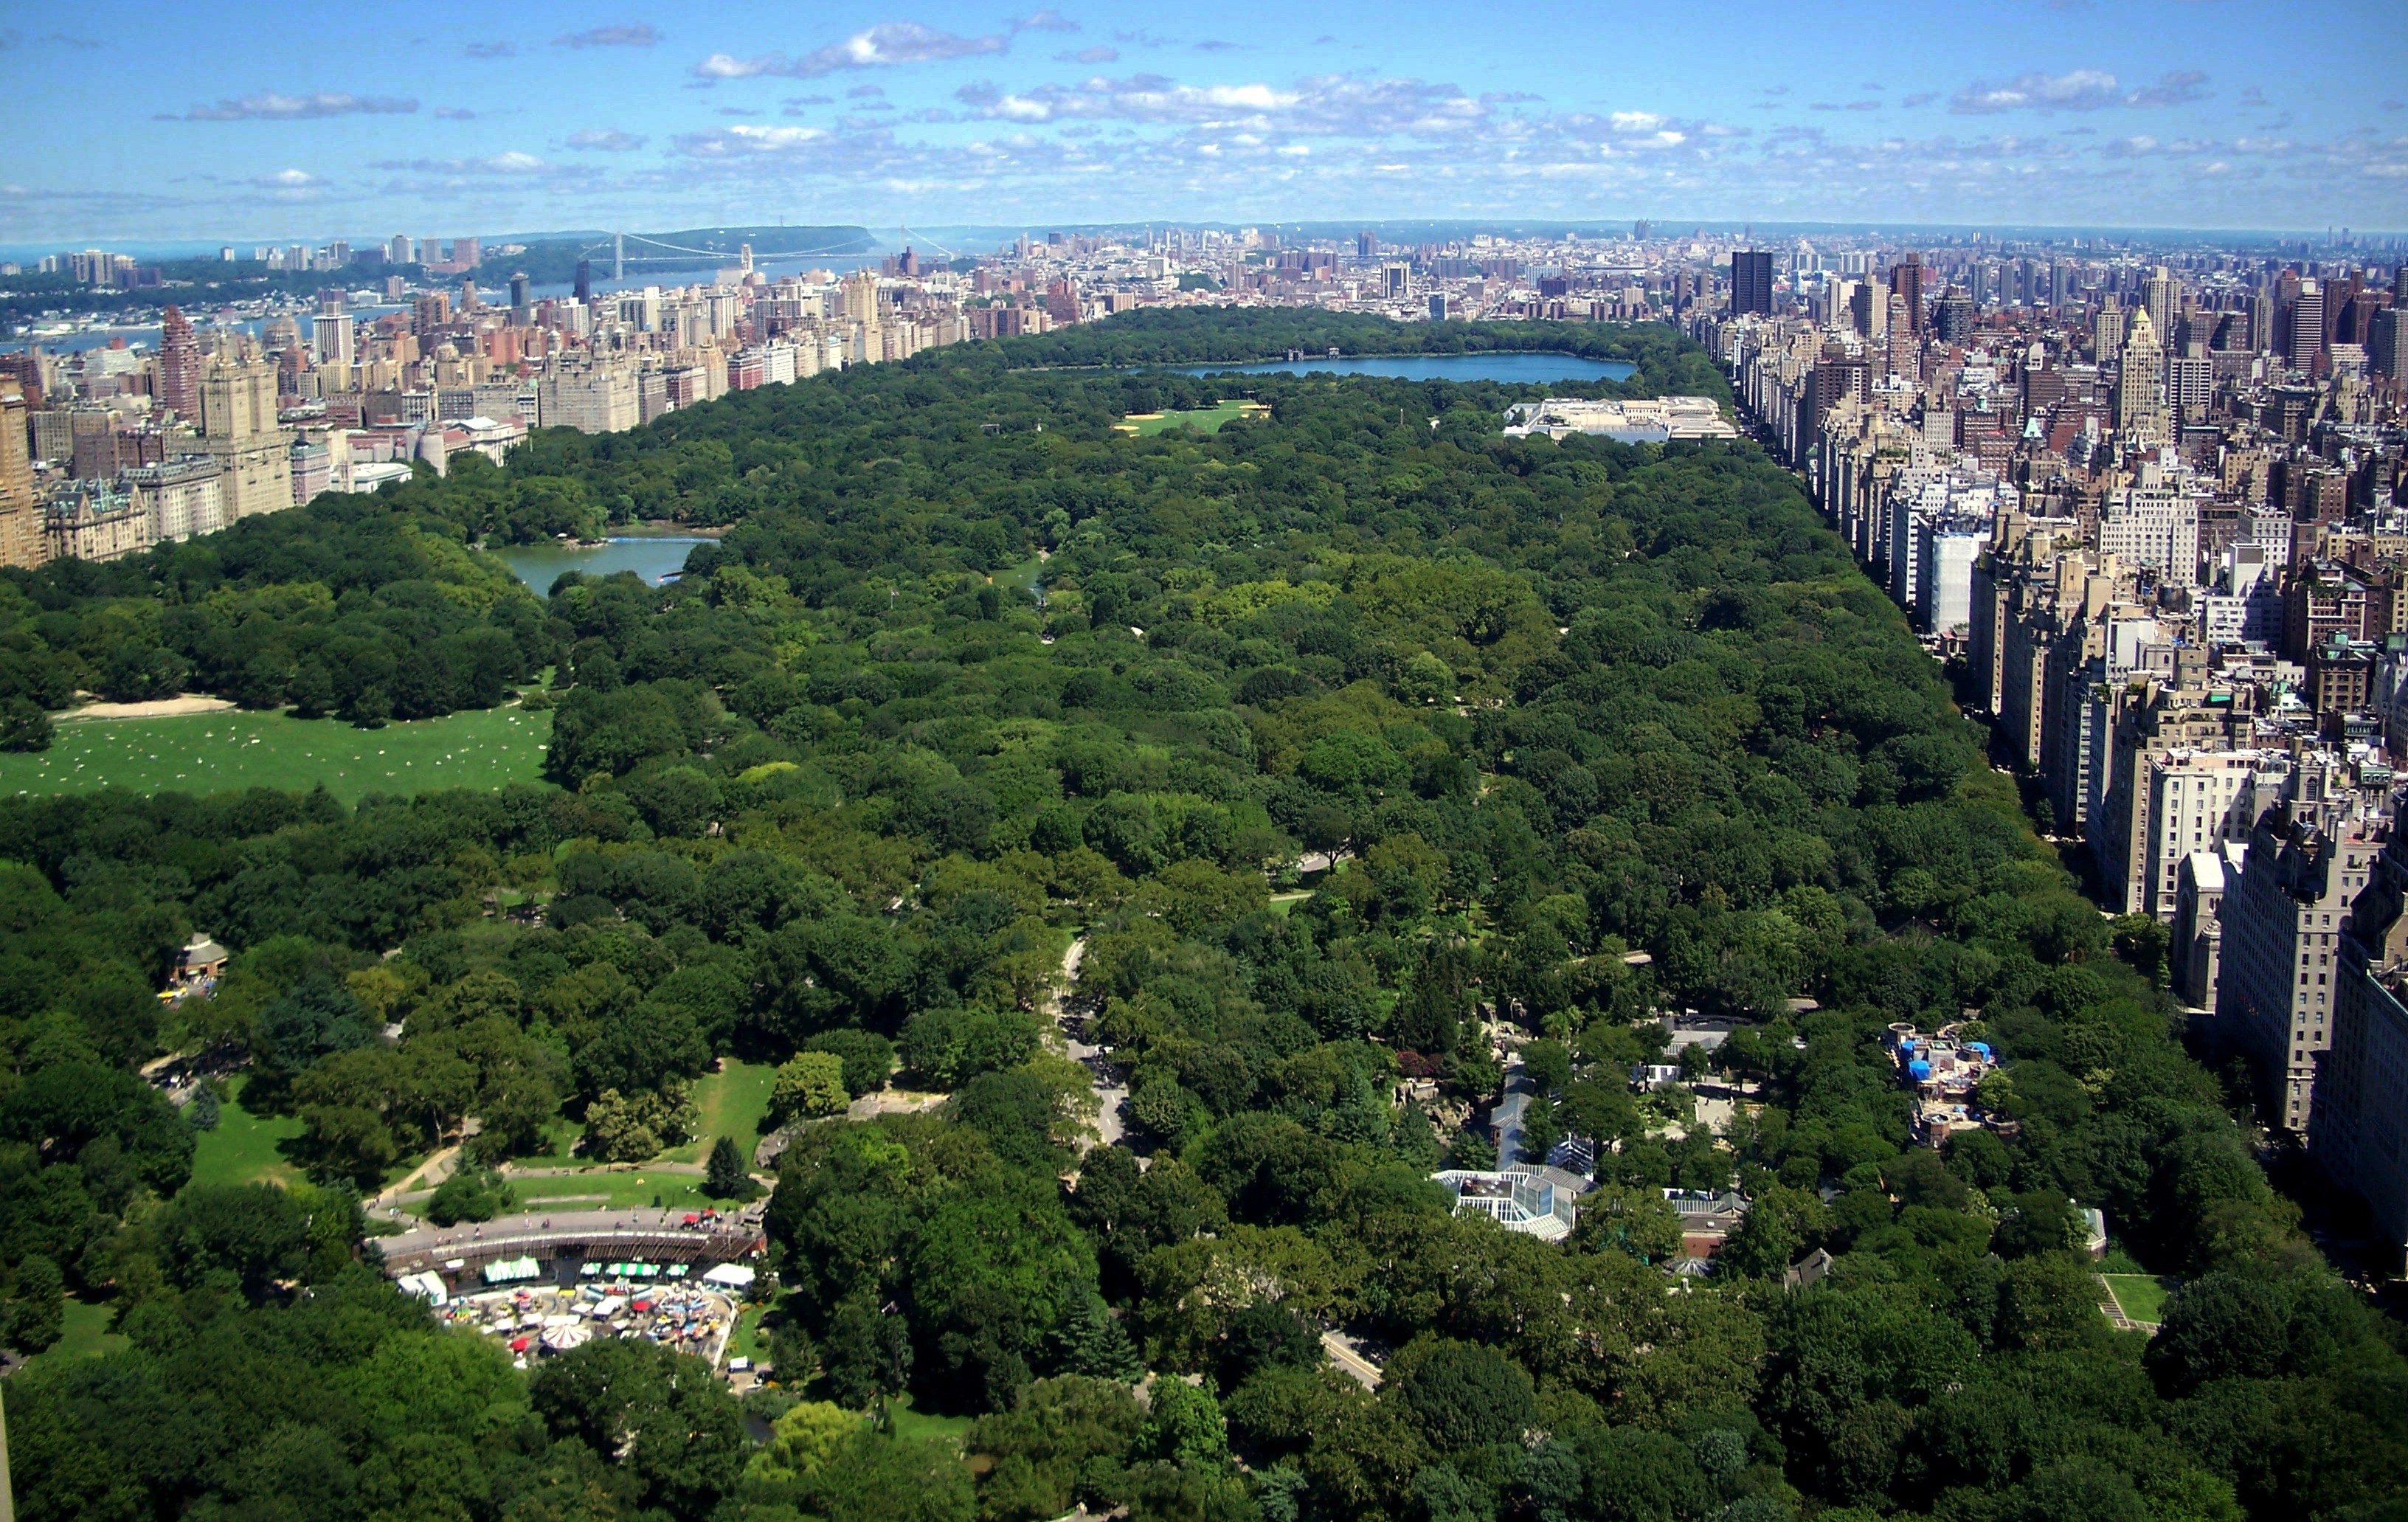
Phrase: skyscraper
x=1751 y=278
x=2306 y=340
x=2140 y=384
x=238 y=427
x=330 y=341
x=2161 y=293
x=585 y=282
x=23 y=542
x=180 y=366
x=1906 y=280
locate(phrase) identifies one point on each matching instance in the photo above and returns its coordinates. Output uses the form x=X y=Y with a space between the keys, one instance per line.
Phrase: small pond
x=653 y=556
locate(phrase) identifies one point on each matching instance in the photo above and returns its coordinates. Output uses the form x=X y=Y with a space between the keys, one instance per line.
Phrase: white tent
x=561 y=1339
x=510 y=1270
x=428 y=1287
x=733 y=1275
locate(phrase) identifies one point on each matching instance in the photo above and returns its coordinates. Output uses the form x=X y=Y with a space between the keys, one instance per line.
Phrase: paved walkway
x=157 y=708
x=1355 y=1366
x=631 y=1233
x=1112 y=1091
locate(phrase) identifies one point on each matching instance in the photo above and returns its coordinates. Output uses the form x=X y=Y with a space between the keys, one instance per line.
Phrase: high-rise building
x=2306 y=338
x=330 y=342
x=1906 y=280
x=2161 y=295
x=2387 y=352
x=2140 y=384
x=2283 y=922
x=398 y=249
x=2261 y=322
x=585 y=282
x=23 y=542
x=239 y=427
x=2358 y=1126
x=1751 y=278
x=1366 y=245
x=180 y=366
x=519 y=304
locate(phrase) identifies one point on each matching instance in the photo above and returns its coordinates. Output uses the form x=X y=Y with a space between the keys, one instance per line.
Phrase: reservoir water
x=1515 y=369
x=652 y=557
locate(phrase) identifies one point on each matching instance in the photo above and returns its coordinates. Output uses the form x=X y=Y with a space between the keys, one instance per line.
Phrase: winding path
x=1110 y=1091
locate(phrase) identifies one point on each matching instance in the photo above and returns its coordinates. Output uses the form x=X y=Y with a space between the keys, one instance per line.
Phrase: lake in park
x=651 y=556
x=1515 y=369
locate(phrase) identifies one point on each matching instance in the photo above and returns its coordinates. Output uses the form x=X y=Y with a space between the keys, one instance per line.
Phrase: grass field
x=1203 y=419
x=2142 y=1296
x=217 y=753
x=746 y=1340
x=242 y=1149
x=618 y=1191
x=86 y=1335
x=910 y=1424
x=731 y=1103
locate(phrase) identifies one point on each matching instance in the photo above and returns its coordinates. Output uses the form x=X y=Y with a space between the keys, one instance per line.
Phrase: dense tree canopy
x=1590 y=730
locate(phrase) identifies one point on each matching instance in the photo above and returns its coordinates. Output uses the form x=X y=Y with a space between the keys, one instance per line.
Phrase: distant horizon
x=2149 y=114
x=1446 y=228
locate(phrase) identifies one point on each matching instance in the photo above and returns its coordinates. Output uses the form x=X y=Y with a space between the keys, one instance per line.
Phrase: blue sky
x=244 y=121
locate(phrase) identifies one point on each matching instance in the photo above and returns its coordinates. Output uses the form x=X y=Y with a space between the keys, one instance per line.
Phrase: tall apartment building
x=179 y=366
x=2152 y=526
x=2309 y=858
x=184 y=496
x=22 y=541
x=2141 y=385
x=2197 y=954
x=589 y=398
x=239 y=430
x=2357 y=1124
x=1751 y=278
x=2306 y=338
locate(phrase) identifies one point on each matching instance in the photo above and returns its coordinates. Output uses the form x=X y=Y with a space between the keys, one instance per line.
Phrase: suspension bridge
x=675 y=253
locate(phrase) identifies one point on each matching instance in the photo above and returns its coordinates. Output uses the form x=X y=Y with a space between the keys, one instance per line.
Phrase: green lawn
x=1023 y=575
x=86 y=1335
x=242 y=1149
x=625 y=1191
x=746 y=1340
x=2142 y=1296
x=732 y=1103
x=1203 y=419
x=919 y=1424
x=216 y=752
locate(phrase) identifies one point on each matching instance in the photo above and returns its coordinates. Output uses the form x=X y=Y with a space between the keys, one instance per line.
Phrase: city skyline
x=2170 y=115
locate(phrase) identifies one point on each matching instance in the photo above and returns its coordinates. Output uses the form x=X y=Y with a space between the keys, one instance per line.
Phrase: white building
x=2154 y=527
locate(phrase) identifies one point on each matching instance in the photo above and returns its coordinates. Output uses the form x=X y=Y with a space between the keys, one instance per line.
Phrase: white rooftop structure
x=1650 y=420
x=1534 y=1199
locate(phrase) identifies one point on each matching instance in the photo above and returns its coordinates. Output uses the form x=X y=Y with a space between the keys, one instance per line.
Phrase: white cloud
x=2079 y=90
x=271 y=106
x=636 y=36
x=883 y=45
x=749 y=141
x=597 y=141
